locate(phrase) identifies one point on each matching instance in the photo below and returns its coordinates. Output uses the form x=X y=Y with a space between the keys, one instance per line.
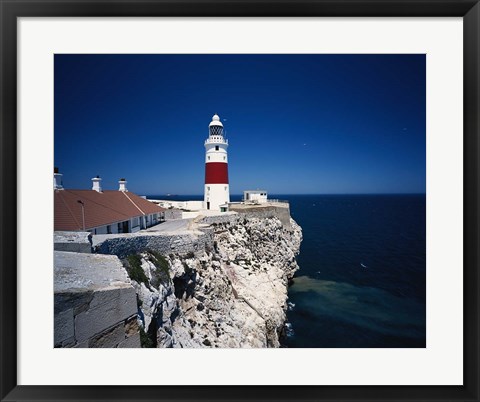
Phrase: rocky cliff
x=231 y=294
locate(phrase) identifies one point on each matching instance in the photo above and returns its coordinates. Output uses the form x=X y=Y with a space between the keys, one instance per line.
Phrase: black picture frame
x=469 y=10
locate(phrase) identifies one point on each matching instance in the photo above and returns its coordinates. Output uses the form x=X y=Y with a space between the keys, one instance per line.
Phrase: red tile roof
x=100 y=208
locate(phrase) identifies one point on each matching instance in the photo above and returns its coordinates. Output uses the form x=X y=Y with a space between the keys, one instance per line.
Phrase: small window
x=208 y=188
x=224 y=158
x=208 y=158
x=217 y=147
x=225 y=188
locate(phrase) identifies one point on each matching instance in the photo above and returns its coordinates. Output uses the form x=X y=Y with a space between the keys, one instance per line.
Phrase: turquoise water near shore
x=362 y=276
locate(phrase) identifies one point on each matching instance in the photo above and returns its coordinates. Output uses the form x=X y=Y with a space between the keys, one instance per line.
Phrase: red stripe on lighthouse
x=216 y=173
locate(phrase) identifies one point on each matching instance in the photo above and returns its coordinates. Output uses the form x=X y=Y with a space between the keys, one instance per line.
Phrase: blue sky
x=296 y=124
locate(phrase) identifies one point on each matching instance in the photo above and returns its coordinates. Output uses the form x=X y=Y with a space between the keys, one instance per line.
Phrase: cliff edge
x=232 y=293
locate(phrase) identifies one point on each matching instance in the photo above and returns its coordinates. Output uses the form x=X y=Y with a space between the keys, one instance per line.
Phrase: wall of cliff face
x=231 y=294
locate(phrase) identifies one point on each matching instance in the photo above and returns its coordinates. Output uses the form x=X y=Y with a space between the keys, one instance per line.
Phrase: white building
x=255 y=196
x=217 y=192
x=102 y=211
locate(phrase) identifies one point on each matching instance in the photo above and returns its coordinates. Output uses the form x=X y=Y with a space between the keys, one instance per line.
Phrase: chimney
x=122 y=185
x=57 y=179
x=96 y=185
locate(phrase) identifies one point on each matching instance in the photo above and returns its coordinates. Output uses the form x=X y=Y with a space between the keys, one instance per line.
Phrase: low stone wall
x=173 y=214
x=95 y=305
x=78 y=242
x=252 y=211
x=280 y=212
x=224 y=218
x=181 y=243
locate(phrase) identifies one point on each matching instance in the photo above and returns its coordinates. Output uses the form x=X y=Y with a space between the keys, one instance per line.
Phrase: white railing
x=267 y=201
x=216 y=139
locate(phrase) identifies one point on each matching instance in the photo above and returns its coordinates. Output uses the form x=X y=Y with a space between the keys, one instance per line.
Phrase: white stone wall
x=191 y=215
x=173 y=214
x=193 y=205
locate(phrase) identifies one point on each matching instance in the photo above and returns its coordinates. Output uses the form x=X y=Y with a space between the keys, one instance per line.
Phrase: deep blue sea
x=362 y=277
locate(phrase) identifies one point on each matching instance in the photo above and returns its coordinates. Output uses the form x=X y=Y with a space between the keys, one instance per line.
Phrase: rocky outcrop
x=231 y=294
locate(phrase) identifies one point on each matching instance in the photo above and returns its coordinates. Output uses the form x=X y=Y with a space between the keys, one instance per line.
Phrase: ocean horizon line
x=286 y=194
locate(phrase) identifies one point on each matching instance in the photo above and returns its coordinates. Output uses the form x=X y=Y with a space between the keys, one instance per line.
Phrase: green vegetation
x=145 y=340
x=162 y=273
x=135 y=270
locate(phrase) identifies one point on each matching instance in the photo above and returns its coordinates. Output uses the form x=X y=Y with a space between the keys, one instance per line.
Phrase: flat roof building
x=255 y=196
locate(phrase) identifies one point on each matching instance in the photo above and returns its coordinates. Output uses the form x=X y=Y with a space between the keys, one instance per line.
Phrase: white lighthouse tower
x=217 y=191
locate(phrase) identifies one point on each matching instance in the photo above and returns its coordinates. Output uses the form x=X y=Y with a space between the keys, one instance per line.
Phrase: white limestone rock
x=232 y=296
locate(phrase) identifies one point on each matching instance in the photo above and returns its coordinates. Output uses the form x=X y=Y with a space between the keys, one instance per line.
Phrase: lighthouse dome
x=215 y=121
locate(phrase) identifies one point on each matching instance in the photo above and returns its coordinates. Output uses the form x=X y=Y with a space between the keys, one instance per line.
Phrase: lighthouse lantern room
x=217 y=191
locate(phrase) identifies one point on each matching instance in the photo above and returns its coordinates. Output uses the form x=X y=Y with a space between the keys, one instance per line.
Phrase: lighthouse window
x=216 y=147
x=208 y=158
x=224 y=158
